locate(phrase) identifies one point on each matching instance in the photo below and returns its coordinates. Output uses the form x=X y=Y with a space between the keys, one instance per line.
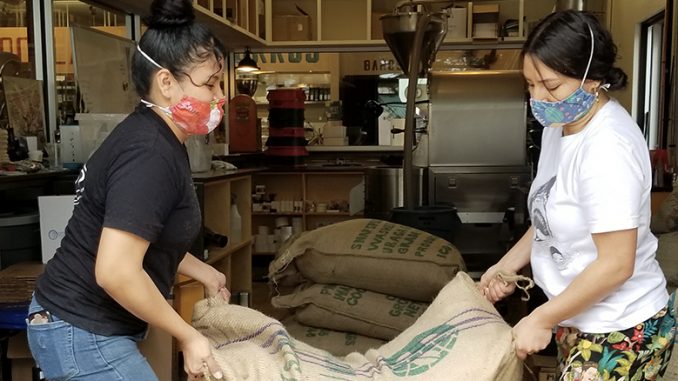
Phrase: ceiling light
x=247 y=64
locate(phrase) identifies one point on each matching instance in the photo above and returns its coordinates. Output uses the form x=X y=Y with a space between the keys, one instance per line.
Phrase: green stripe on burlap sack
x=336 y=342
x=374 y=255
x=349 y=309
x=459 y=337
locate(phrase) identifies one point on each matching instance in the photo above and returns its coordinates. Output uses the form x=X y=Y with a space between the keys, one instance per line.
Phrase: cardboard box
x=456 y=23
x=55 y=211
x=335 y=141
x=376 y=33
x=291 y=28
x=544 y=366
x=334 y=131
x=22 y=363
x=547 y=374
x=485 y=8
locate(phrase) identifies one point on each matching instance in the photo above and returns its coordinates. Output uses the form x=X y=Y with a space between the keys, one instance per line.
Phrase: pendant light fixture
x=247 y=64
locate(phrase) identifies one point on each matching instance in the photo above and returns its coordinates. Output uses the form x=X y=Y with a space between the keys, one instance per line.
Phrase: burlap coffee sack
x=459 y=337
x=667 y=257
x=335 y=342
x=349 y=309
x=665 y=220
x=374 y=255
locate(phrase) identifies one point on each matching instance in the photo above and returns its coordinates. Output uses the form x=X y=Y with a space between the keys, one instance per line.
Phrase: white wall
x=626 y=16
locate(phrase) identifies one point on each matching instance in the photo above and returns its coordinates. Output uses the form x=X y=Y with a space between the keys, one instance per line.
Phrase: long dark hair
x=562 y=41
x=172 y=40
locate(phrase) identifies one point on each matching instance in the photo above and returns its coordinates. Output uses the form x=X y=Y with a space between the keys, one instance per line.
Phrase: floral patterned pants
x=638 y=353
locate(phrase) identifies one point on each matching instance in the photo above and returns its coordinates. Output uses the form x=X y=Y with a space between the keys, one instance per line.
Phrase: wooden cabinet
x=219 y=192
x=304 y=201
x=351 y=22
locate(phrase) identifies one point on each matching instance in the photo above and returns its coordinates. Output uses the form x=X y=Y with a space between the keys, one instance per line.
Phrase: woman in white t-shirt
x=590 y=246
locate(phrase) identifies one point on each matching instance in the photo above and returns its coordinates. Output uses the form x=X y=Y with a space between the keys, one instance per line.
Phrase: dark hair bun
x=616 y=78
x=170 y=13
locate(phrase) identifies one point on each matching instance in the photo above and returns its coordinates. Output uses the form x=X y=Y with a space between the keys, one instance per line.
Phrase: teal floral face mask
x=570 y=109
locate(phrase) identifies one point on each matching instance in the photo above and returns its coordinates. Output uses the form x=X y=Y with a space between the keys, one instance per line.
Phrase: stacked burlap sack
x=360 y=283
x=459 y=337
x=664 y=225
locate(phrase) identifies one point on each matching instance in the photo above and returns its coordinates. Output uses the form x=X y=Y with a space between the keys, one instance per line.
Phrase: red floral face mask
x=192 y=115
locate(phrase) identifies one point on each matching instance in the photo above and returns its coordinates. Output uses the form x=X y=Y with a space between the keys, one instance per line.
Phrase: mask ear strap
x=151 y=60
x=588 y=66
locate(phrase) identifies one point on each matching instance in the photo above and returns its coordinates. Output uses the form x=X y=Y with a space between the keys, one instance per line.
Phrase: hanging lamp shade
x=247 y=64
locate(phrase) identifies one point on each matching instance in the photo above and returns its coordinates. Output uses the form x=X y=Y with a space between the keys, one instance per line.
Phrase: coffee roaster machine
x=478 y=159
x=477 y=174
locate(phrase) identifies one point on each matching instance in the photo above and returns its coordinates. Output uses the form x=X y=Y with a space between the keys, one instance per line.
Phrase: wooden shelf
x=327 y=214
x=277 y=214
x=234 y=36
x=217 y=254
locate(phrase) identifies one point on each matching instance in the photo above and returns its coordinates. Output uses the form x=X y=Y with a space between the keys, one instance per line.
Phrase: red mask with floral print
x=193 y=116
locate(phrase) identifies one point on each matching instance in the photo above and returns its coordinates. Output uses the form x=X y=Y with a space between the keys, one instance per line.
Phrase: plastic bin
x=19 y=238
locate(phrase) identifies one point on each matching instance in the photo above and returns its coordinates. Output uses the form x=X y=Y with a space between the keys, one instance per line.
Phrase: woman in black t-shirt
x=136 y=215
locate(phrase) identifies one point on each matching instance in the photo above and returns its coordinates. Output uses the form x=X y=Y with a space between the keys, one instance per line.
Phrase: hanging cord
x=522 y=282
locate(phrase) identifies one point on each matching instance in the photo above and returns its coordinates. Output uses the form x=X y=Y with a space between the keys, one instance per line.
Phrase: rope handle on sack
x=522 y=282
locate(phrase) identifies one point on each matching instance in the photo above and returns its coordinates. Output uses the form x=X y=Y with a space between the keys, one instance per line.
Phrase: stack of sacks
x=459 y=337
x=4 y=146
x=361 y=282
x=664 y=225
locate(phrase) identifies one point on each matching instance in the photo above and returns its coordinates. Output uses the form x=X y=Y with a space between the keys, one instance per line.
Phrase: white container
x=55 y=211
x=199 y=153
x=236 y=225
x=281 y=221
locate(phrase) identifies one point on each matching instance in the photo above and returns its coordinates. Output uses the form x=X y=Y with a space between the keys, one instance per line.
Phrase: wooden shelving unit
x=312 y=188
x=216 y=193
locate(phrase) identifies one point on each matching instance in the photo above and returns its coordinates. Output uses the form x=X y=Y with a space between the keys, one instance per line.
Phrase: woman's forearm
x=519 y=255
x=194 y=268
x=129 y=285
x=613 y=267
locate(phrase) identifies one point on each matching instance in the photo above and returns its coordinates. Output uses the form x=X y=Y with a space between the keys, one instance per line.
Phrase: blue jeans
x=64 y=352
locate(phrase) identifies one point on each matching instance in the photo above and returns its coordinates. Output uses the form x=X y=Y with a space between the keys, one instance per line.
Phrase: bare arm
x=119 y=271
x=512 y=262
x=213 y=280
x=613 y=267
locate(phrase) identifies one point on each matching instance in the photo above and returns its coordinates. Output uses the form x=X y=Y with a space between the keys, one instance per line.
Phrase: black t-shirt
x=138 y=181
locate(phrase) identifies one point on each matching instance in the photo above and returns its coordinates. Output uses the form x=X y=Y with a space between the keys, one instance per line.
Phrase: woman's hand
x=530 y=336
x=215 y=284
x=198 y=357
x=492 y=287
x=212 y=279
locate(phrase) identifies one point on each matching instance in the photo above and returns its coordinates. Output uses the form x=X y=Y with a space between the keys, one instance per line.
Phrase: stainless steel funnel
x=414 y=39
x=399 y=32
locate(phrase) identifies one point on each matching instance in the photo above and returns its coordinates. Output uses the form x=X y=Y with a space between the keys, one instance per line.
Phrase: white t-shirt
x=595 y=181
